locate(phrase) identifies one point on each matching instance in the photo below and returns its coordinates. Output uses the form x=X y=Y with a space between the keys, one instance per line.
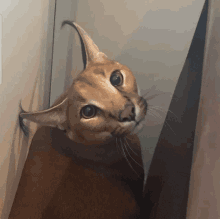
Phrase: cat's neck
x=107 y=158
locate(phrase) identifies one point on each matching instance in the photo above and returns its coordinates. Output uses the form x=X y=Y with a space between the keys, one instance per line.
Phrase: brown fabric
x=204 y=193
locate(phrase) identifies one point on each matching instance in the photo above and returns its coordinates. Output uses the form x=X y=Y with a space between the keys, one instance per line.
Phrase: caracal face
x=104 y=103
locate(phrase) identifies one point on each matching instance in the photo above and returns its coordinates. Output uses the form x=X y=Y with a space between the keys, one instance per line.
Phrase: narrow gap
x=52 y=53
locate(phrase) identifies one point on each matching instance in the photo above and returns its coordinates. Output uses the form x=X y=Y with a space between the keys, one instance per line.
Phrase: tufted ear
x=54 y=116
x=90 y=50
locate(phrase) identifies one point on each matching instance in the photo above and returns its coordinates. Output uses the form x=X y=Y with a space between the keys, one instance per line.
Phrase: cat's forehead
x=104 y=69
x=94 y=81
x=95 y=86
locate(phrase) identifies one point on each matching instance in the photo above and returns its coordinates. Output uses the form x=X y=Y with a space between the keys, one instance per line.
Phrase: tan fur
x=75 y=168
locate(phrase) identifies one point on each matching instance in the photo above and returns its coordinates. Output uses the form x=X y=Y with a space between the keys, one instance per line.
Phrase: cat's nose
x=128 y=114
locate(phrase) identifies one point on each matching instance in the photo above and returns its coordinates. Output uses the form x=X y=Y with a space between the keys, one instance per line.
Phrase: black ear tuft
x=67 y=22
x=21 y=122
x=71 y=23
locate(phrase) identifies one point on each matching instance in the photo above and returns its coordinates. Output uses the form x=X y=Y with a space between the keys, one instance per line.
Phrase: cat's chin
x=95 y=139
x=103 y=136
x=138 y=128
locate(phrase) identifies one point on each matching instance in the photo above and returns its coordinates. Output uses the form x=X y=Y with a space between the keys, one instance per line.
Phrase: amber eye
x=88 y=111
x=116 y=78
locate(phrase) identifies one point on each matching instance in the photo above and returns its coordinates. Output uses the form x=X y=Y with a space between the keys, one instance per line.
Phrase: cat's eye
x=88 y=111
x=116 y=78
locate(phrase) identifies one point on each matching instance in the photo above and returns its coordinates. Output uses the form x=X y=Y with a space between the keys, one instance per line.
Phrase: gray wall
x=26 y=61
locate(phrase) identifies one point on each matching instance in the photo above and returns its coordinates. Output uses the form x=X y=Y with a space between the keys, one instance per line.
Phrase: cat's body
x=63 y=179
x=56 y=183
x=84 y=160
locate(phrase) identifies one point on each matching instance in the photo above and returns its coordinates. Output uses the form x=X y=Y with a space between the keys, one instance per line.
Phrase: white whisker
x=163 y=110
x=117 y=144
x=129 y=146
x=126 y=156
x=155 y=113
x=144 y=95
x=166 y=123
x=151 y=113
x=152 y=96
x=130 y=155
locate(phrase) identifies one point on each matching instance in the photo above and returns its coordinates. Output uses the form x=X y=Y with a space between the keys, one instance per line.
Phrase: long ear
x=90 y=50
x=54 y=116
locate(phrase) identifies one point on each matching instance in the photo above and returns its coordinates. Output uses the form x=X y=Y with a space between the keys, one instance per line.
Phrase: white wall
x=26 y=47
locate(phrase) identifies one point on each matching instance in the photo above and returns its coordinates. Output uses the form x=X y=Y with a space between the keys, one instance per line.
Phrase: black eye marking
x=88 y=111
x=116 y=78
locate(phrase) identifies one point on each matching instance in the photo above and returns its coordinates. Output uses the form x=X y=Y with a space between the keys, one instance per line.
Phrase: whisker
x=117 y=145
x=126 y=156
x=152 y=113
x=129 y=146
x=132 y=130
x=153 y=110
x=140 y=130
x=163 y=110
x=150 y=90
x=146 y=93
x=152 y=96
x=165 y=122
x=131 y=156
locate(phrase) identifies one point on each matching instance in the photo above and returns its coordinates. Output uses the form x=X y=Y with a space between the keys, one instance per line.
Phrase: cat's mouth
x=136 y=125
x=132 y=123
x=132 y=127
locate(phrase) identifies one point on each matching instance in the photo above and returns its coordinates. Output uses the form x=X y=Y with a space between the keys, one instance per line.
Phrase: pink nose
x=128 y=114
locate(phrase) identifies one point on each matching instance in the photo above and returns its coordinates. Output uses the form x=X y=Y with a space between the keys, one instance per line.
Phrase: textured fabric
x=204 y=193
x=168 y=179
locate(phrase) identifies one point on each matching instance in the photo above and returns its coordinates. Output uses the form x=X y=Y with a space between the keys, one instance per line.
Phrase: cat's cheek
x=94 y=124
x=138 y=128
x=96 y=137
x=73 y=136
x=140 y=112
x=104 y=135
